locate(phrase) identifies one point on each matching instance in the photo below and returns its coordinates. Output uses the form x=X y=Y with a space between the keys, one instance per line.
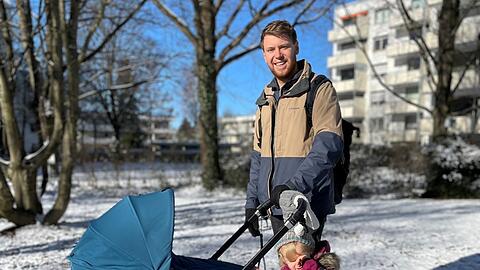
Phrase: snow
x=365 y=233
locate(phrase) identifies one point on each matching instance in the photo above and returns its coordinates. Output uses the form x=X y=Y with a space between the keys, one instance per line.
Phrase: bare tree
x=120 y=80
x=438 y=59
x=206 y=36
x=49 y=41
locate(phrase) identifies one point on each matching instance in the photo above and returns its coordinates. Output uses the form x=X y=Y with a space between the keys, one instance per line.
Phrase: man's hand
x=275 y=197
x=253 y=227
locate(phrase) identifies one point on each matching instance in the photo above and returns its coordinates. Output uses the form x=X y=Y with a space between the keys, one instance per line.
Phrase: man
x=289 y=152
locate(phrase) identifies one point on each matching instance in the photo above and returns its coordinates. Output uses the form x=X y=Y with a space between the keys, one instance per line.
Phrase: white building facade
x=237 y=132
x=394 y=55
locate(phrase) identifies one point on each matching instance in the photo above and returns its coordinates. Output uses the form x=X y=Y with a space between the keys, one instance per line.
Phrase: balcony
x=416 y=15
x=468 y=31
x=403 y=77
x=353 y=108
x=350 y=86
x=407 y=135
x=358 y=84
x=399 y=48
x=434 y=2
x=346 y=58
x=469 y=85
x=399 y=107
x=339 y=34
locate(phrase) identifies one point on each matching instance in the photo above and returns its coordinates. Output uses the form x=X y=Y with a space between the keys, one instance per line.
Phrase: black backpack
x=342 y=168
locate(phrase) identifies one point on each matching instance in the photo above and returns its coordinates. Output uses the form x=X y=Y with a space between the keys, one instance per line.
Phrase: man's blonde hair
x=279 y=28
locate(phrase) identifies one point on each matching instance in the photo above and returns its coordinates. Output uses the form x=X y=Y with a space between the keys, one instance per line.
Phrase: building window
x=381 y=15
x=346 y=46
x=415 y=33
x=376 y=124
x=381 y=70
x=413 y=63
x=380 y=44
x=411 y=122
x=345 y=96
x=347 y=74
x=411 y=93
x=377 y=98
x=349 y=21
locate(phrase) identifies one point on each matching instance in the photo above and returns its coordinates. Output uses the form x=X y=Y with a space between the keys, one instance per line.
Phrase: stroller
x=137 y=233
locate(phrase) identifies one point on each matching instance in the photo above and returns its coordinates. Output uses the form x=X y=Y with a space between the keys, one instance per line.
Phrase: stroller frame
x=261 y=211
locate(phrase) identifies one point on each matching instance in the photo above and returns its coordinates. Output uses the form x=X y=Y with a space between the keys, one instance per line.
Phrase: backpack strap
x=315 y=83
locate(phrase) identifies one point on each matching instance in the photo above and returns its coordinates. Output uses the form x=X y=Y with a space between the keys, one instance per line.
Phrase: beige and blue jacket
x=287 y=151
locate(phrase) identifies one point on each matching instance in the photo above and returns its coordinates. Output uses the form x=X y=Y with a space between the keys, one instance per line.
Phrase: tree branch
x=218 y=6
x=113 y=88
x=320 y=14
x=468 y=9
x=262 y=14
x=302 y=12
x=113 y=33
x=4 y=163
x=425 y=52
x=93 y=28
x=177 y=21
x=27 y=159
x=467 y=66
x=232 y=17
x=236 y=56
x=7 y=39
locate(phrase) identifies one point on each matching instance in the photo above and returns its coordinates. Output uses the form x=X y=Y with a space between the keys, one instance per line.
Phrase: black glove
x=253 y=225
x=275 y=196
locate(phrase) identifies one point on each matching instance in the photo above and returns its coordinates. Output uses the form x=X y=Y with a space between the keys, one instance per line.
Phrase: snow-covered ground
x=366 y=234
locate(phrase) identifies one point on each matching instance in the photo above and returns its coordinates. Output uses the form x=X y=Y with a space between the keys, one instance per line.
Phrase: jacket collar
x=299 y=84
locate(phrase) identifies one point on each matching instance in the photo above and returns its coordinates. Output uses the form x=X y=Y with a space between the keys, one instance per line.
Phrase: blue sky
x=241 y=82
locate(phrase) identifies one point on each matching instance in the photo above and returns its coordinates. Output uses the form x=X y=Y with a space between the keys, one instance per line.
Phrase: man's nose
x=278 y=53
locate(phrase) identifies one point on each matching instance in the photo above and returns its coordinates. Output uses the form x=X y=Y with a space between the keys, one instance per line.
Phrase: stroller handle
x=261 y=211
x=262 y=208
x=289 y=223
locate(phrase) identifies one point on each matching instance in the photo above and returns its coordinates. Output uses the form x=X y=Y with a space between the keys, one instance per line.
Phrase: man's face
x=280 y=54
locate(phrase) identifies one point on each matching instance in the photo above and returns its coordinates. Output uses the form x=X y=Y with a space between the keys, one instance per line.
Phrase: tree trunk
x=69 y=143
x=24 y=183
x=448 y=20
x=207 y=95
x=7 y=209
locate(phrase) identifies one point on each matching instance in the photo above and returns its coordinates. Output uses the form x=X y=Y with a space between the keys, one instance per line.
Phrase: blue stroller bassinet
x=137 y=233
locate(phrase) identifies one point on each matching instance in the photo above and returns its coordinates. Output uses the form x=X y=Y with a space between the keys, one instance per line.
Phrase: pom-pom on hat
x=297 y=234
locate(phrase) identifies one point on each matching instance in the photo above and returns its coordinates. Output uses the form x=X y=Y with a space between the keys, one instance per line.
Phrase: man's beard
x=284 y=76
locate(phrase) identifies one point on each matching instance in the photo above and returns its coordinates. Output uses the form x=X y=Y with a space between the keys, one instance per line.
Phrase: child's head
x=294 y=254
x=293 y=250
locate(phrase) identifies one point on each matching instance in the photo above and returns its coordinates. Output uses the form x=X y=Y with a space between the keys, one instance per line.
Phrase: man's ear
x=297 y=49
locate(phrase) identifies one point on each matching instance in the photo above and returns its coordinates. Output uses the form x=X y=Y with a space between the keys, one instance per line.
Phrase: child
x=297 y=253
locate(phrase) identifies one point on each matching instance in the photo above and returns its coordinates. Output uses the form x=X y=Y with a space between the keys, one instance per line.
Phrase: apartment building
x=237 y=132
x=395 y=57
x=95 y=132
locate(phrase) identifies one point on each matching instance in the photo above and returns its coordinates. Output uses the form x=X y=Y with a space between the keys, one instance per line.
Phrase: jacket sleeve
x=316 y=170
x=252 y=192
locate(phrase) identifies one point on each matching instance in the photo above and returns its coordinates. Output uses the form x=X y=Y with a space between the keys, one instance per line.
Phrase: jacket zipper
x=272 y=150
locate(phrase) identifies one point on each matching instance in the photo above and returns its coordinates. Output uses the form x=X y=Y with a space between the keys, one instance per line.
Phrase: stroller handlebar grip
x=262 y=208
x=289 y=223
